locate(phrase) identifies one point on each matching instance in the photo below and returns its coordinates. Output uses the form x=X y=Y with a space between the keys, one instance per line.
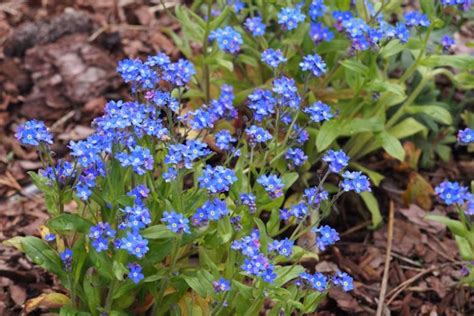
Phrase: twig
x=356 y=228
x=388 y=257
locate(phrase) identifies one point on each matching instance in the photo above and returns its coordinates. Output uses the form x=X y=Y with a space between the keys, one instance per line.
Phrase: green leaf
x=374 y=176
x=465 y=249
x=157 y=232
x=386 y=86
x=224 y=229
x=456 y=227
x=463 y=62
x=92 y=294
x=289 y=178
x=355 y=66
x=41 y=253
x=69 y=222
x=218 y=21
x=327 y=134
x=201 y=282
x=391 y=145
x=408 y=127
x=438 y=113
x=392 y=48
x=286 y=274
x=373 y=207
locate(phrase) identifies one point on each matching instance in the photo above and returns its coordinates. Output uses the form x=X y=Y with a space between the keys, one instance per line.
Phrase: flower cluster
x=101 y=234
x=33 y=133
x=466 y=136
x=452 y=193
x=217 y=180
x=228 y=39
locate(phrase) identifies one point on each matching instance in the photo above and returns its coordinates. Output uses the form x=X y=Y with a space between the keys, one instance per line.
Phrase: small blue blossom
x=451 y=193
x=249 y=200
x=66 y=258
x=355 y=27
x=248 y=245
x=447 y=42
x=63 y=173
x=273 y=57
x=315 y=64
x=50 y=237
x=179 y=73
x=415 y=18
x=176 y=222
x=462 y=4
x=283 y=247
x=137 y=216
x=135 y=272
x=272 y=185
x=260 y=266
x=466 y=136
x=224 y=140
x=341 y=17
x=326 y=236
x=237 y=5
x=289 y=18
x=262 y=103
x=139 y=158
x=317 y=9
x=170 y=174
x=296 y=156
x=299 y=210
x=33 y=133
x=402 y=32
x=83 y=191
x=160 y=60
x=317 y=281
x=217 y=179
x=318 y=112
x=139 y=192
x=337 y=160
x=255 y=26
x=343 y=280
x=314 y=195
x=211 y=210
x=355 y=181
x=228 y=39
x=257 y=134
x=221 y=285
x=134 y=244
x=320 y=33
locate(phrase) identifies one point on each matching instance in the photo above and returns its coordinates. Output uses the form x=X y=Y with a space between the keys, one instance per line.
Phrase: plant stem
x=205 y=45
x=110 y=295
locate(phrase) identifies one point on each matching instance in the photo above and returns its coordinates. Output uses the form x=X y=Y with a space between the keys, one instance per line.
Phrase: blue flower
x=257 y=134
x=284 y=247
x=64 y=173
x=135 y=272
x=139 y=158
x=134 y=244
x=317 y=281
x=466 y=136
x=260 y=266
x=255 y=26
x=326 y=236
x=337 y=160
x=272 y=185
x=224 y=140
x=139 y=192
x=170 y=175
x=462 y=4
x=416 y=18
x=83 y=191
x=355 y=181
x=447 y=42
x=211 y=210
x=160 y=60
x=66 y=258
x=237 y=5
x=314 y=195
x=341 y=17
x=228 y=39
x=50 y=237
x=262 y=103
x=223 y=107
x=317 y=9
x=296 y=156
x=176 y=222
x=289 y=18
x=248 y=245
x=355 y=27
x=315 y=64
x=217 y=179
x=318 y=112
x=402 y=32
x=180 y=73
x=451 y=193
x=137 y=216
x=299 y=210
x=222 y=285
x=249 y=200
x=320 y=33
x=273 y=57
x=343 y=280
x=33 y=133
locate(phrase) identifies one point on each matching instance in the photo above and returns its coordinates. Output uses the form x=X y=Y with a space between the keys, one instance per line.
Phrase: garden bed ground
x=59 y=65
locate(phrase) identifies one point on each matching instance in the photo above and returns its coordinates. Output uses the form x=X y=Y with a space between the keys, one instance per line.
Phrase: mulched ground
x=57 y=63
